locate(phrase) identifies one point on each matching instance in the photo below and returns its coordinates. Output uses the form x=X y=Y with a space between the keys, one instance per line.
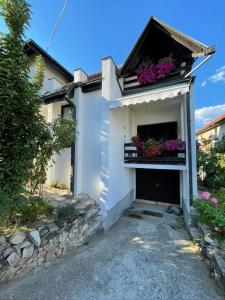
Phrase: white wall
x=121 y=178
x=61 y=170
x=87 y=167
x=63 y=166
x=53 y=78
x=157 y=112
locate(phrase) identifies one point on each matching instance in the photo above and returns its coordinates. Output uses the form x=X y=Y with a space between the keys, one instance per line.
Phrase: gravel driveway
x=148 y=258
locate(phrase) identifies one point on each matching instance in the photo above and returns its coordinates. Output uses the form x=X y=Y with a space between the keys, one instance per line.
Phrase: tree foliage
x=212 y=163
x=27 y=141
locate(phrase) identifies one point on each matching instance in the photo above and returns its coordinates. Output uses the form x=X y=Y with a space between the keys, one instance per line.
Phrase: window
x=67 y=112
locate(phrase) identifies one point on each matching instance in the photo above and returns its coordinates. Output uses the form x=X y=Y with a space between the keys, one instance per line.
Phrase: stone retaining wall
x=210 y=250
x=23 y=251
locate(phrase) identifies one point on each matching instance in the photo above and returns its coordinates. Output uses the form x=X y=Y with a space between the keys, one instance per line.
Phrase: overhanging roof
x=197 y=48
x=31 y=47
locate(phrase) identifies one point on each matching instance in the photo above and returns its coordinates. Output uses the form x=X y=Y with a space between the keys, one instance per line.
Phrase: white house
x=212 y=131
x=57 y=81
x=150 y=95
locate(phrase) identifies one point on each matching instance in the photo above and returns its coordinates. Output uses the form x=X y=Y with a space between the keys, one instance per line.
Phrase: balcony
x=134 y=156
x=143 y=78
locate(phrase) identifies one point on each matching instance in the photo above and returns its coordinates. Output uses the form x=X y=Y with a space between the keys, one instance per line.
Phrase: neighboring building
x=151 y=94
x=214 y=130
x=56 y=81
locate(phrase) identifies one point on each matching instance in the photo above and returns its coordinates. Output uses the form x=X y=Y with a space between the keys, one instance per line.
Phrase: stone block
x=17 y=238
x=35 y=237
x=8 y=251
x=28 y=251
x=13 y=259
x=3 y=240
x=52 y=227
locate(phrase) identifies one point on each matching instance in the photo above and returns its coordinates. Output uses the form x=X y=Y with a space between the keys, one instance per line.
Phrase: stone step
x=95 y=227
x=92 y=214
x=85 y=205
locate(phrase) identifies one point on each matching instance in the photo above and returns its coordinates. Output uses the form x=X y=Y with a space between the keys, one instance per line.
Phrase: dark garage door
x=158 y=185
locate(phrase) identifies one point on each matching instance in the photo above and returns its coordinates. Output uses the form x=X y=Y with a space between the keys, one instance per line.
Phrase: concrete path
x=149 y=258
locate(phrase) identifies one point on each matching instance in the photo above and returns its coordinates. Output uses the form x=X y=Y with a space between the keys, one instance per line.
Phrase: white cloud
x=218 y=76
x=203 y=83
x=205 y=114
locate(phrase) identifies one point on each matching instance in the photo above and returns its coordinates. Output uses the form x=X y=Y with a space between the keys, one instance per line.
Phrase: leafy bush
x=211 y=210
x=65 y=213
x=27 y=141
x=58 y=185
x=212 y=163
x=22 y=209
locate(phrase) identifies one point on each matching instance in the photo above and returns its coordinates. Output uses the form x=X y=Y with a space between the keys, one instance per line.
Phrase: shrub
x=212 y=162
x=211 y=210
x=65 y=213
x=22 y=209
x=58 y=185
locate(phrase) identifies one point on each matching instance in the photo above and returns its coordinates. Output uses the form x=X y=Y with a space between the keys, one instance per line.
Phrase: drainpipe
x=189 y=135
x=72 y=189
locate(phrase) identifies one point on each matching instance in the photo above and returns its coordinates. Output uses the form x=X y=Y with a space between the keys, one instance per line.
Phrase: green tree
x=27 y=141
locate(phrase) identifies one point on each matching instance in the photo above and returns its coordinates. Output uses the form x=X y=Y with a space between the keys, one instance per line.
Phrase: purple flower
x=204 y=195
x=214 y=200
x=173 y=145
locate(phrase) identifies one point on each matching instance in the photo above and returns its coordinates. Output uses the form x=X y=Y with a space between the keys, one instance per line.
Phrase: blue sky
x=91 y=30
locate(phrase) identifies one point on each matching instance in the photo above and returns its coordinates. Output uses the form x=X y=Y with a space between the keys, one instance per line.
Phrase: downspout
x=73 y=155
x=189 y=135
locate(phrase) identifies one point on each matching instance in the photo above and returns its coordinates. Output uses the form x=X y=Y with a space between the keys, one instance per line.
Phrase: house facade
x=56 y=81
x=214 y=130
x=150 y=100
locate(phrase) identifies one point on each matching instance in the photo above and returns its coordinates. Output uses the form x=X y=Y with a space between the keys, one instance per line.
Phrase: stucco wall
x=50 y=73
x=121 y=178
x=155 y=113
x=89 y=111
x=61 y=170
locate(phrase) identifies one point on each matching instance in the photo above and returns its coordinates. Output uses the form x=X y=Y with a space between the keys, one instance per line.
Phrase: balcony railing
x=131 y=81
x=132 y=155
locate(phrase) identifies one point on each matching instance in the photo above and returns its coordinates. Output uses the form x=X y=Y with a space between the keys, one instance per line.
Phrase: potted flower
x=152 y=148
x=175 y=148
x=138 y=144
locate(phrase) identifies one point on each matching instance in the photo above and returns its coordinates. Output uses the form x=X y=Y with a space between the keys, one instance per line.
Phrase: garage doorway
x=158 y=185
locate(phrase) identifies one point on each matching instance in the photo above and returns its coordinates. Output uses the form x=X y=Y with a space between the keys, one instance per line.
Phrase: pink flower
x=214 y=200
x=204 y=195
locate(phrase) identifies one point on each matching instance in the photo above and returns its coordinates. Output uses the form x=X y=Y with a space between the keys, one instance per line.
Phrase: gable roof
x=31 y=47
x=197 y=48
x=213 y=123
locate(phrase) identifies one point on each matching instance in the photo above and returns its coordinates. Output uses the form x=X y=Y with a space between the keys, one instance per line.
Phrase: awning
x=159 y=94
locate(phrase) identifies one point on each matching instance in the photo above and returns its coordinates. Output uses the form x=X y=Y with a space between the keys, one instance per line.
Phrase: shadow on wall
x=104 y=169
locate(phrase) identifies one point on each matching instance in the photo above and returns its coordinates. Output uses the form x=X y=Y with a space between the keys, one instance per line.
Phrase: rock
x=43 y=231
x=2 y=240
x=3 y=247
x=22 y=245
x=28 y=251
x=8 y=251
x=41 y=260
x=63 y=236
x=35 y=237
x=84 y=228
x=211 y=242
x=52 y=227
x=13 y=259
x=3 y=264
x=17 y=238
